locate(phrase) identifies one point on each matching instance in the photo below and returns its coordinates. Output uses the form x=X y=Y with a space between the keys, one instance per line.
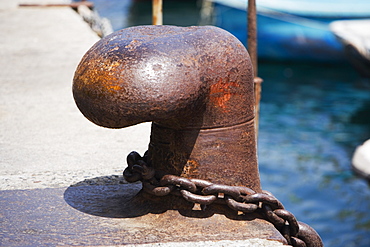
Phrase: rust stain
x=115 y=87
x=190 y=169
x=221 y=93
x=99 y=81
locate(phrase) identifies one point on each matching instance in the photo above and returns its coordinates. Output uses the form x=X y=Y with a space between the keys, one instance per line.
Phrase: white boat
x=355 y=36
x=361 y=160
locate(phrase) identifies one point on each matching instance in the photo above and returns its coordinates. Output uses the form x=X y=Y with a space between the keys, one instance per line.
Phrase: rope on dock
x=101 y=26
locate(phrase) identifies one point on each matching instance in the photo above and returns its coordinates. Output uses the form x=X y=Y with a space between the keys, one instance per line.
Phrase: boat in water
x=355 y=36
x=361 y=160
x=291 y=29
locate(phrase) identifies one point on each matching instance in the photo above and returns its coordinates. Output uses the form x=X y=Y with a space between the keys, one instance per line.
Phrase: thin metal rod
x=157 y=12
x=252 y=49
x=252 y=34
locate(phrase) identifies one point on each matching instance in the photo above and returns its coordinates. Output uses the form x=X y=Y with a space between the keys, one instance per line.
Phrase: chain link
x=238 y=198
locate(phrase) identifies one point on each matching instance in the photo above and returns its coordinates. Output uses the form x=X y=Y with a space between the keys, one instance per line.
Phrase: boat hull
x=358 y=61
x=284 y=36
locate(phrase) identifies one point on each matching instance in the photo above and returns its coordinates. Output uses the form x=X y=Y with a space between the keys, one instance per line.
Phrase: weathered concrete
x=46 y=145
x=45 y=140
x=106 y=216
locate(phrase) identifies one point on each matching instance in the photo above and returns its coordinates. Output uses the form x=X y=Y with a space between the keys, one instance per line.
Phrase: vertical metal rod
x=252 y=48
x=157 y=12
x=252 y=34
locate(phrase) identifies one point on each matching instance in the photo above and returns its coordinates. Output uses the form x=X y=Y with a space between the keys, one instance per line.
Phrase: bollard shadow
x=111 y=201
x=129 y=201
x=163 y=219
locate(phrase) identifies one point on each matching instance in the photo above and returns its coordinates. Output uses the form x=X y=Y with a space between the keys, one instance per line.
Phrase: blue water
x=311 y=120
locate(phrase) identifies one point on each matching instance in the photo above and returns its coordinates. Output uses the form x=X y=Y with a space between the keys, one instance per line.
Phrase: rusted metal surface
x=157 y=12
x=252 y=33
x=252 y=48
x=194 y=83
x=238 y=198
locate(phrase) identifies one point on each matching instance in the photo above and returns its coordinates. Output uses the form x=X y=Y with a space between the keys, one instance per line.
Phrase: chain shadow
x=129 y=201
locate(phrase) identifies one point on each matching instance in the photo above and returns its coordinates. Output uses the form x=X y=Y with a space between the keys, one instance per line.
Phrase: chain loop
x=264 y=198
x=293 y=224
x=215 y=189
x=157 y=190
x=297 y=242
x=203 y=200
x=178 y=181
x=200 y=183
x=272 y=217
x=238 y=198
x=238 y=206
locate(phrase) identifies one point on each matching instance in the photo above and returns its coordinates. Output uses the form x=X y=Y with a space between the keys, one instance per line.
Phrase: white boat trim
x=355 y=33
x=361 y=159
x=314 y=8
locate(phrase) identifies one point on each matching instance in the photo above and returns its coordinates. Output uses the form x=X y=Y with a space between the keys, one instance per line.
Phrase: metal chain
x=238 y=198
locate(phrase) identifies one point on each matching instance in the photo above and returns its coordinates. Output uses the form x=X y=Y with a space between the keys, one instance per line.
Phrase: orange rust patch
x=221 y=93
x=115 y=87
x=190 y=169
x=98 y=81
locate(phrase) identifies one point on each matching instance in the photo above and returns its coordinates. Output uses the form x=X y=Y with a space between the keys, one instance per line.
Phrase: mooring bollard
x=195 y=84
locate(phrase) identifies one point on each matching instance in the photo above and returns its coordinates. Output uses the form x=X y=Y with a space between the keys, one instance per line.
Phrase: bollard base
x=254 y=242
x=110 y=215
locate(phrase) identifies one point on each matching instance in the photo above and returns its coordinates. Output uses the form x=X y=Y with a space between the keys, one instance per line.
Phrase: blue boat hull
x=284 y=37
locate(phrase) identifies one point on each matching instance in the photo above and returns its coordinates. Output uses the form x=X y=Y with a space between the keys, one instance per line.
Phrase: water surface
x=312 y=118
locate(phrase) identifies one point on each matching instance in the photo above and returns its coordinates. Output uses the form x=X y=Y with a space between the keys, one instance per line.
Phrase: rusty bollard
x=195 y=84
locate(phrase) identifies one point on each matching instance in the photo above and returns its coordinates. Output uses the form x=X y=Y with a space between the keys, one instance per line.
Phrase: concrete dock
x=60 y=175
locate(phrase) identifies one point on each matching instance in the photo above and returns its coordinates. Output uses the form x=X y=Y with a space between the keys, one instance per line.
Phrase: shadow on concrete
x=128 y=201
x=168 y=218
x=112 y=215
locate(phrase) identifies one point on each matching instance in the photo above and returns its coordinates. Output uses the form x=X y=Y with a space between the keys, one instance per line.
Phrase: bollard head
x=165 y=73
x=194 y=83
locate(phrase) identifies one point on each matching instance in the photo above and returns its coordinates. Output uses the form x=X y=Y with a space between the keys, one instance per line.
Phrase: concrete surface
x=46 y=145
x=45 y=140
x=110 y=216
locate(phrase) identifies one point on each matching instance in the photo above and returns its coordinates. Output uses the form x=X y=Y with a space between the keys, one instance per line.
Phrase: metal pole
x=157 y=12
x=252 y=48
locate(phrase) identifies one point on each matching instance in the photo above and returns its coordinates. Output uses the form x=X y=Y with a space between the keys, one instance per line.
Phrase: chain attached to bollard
x=238 y=198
